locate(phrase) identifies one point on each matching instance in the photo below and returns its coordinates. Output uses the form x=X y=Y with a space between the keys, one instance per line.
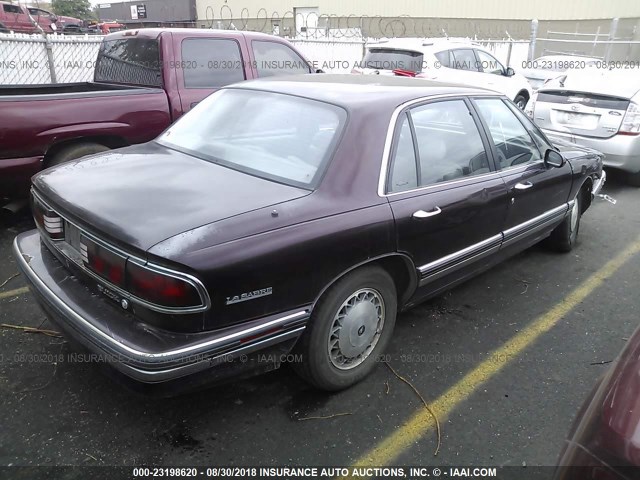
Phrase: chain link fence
x=35 y=59
x=333 y=43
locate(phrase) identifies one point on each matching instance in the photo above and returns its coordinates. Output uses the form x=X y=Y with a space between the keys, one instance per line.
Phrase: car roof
x=424 y=44
x=155 y=32
x=349 y=91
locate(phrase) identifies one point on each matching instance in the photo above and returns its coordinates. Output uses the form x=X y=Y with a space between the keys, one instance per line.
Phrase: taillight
x=48 y=221
x=631 y=121
x=159 y=288
x=400 y=72
x=103 y=262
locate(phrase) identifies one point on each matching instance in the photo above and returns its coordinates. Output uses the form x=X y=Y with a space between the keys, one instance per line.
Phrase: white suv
x=445 y=60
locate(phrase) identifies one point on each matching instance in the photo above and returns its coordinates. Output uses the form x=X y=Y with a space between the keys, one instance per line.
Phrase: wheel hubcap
x=356 y=329
x=575 y=212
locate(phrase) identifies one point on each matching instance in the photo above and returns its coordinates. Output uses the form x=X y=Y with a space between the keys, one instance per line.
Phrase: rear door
x=448 y=203
x=537 y=194
x=459 y=65
x=580 y=113
x=205 y=64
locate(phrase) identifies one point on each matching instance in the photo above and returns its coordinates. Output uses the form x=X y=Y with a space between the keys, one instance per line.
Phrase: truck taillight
x=48 y=221
x=159 y=288
x=103 y=261
x=631 y=121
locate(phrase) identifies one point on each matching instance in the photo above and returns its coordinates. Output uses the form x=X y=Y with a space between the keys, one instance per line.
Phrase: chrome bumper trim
x=87 y=329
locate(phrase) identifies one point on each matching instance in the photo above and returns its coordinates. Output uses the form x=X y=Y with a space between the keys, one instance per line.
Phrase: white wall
x=489 y=9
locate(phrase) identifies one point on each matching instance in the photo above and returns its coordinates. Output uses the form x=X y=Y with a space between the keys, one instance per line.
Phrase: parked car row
x=193 y=262
x=17 y=18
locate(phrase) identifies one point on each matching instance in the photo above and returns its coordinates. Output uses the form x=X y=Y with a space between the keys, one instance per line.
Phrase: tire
x=73 y=152
x=520 y=101
x=633 y=179
x=324 y=364
x=564 y=237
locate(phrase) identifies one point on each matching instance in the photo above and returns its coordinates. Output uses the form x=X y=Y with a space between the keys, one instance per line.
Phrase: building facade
x=150 y=12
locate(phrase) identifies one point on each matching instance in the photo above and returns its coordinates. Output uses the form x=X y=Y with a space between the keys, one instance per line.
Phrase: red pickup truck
x=143 y=81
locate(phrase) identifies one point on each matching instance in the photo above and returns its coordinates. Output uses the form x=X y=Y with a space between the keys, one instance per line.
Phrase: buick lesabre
x=293 y=215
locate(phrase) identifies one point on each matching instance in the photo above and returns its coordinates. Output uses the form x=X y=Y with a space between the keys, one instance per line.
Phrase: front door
x=448 y=203
x=537 y=194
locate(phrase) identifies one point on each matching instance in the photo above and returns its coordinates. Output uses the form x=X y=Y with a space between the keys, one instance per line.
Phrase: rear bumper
x=142 y=352
x=621 y=151
x=16 y=173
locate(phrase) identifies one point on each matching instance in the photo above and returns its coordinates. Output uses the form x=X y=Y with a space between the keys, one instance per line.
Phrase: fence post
x=52 y=68
x=532 y=39
x=612 y=36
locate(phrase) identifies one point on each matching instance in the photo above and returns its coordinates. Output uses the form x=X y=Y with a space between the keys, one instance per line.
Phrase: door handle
x=430 y=213
x=523 y=185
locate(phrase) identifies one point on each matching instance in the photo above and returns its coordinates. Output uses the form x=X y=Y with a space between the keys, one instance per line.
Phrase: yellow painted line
x=422 y=422
x=13 y=293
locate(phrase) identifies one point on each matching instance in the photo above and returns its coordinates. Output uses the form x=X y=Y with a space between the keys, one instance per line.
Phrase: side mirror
x=509 y=72
x=319 y=70
x=553 y=159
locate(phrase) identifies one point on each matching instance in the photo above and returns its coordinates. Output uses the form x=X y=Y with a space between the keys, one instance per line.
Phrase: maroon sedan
x=604 y=443
x=300 y=212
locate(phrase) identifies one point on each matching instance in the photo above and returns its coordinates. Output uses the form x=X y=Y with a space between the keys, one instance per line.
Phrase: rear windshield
x=279 y=137
x=392 y=59
x=133 y=61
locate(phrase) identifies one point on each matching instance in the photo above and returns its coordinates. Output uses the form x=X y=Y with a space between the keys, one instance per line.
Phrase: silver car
x=546 y=68
x=595 y=108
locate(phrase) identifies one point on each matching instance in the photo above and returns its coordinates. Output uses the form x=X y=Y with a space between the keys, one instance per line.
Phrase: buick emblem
x=575 y=108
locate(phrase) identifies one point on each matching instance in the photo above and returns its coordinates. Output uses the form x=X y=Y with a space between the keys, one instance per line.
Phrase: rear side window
x=392 y=59
x=448 y=141
x=211 y=62
x=464 y=59
x=134 y=61
x=403 y=172
x=274 y=59
x=12 y=8
x=444 y=58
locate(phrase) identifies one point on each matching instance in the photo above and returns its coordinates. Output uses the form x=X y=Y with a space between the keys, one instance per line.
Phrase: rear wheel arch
x=400 y=267
x=56 y=149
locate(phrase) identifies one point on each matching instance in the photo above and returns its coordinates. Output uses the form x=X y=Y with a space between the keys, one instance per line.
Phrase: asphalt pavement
x=59 y=412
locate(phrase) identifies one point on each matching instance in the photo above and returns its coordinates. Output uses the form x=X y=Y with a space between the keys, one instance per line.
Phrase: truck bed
x=69 y=90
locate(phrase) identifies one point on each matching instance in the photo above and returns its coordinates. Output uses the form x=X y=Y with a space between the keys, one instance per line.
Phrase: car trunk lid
x=141 y=195
x=581 y=113
x=589 y=102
